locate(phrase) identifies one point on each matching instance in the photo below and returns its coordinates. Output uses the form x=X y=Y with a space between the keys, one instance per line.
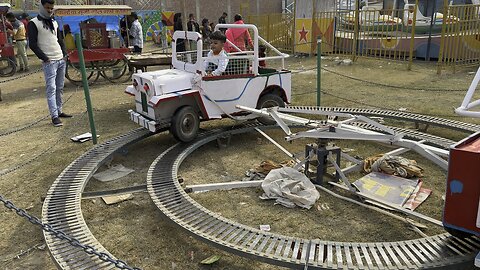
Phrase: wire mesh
x=238 y=63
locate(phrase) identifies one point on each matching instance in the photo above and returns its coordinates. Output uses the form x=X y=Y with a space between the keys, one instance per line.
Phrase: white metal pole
x=394 y=7
x=471 y=89
x=258 y=7
x=229 y=11
x=197 y=10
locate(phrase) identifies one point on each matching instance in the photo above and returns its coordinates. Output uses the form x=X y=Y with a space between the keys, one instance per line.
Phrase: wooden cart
x=109 y=63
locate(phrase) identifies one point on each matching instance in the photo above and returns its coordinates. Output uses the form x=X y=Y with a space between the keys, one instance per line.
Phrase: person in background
x=217 y=61
x=206 y=32
x=212 y=26
x=69 y=39
x=25 y=18
x=192 y=25
x=136 y=34
x=177 y=26
x=46 y=42
x=19 y=34
x=238 y=36
x=223 y=20
x=124 y=25
x=164 y=34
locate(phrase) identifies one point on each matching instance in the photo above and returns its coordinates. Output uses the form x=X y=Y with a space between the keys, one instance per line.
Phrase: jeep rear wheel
x=268 y=101
x=185 y=123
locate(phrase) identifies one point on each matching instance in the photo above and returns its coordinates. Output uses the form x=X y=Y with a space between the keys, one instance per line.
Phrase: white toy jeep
x=184 y=95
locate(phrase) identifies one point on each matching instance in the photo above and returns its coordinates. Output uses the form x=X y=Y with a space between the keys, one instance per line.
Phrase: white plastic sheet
x=289 y=187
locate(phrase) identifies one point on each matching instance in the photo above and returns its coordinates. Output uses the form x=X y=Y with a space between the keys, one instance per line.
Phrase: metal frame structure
x=344 y=130
x=467 y=103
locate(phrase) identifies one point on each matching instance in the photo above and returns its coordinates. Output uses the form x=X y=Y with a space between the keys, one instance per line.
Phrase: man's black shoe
x=64 y=115
x=56 y=122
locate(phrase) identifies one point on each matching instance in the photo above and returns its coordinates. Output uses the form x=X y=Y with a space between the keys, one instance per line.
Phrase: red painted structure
x=91 y=55
x=462 y=202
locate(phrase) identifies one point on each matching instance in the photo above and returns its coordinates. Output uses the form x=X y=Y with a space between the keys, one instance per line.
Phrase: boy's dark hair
x=224 y=13
x=237 y=17
x=134 y=15
x=218 y=35
x=190 y=15
x=10 y=15
x=43 y=2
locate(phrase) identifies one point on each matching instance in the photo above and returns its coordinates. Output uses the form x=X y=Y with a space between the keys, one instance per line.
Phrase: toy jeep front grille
x=144 y=102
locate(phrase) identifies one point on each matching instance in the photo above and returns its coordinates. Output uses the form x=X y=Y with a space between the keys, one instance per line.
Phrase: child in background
x=216 y=61
x=261 y=53
x=69 y=40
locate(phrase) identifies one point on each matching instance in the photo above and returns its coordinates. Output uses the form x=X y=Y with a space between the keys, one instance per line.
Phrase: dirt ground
x=136 y=231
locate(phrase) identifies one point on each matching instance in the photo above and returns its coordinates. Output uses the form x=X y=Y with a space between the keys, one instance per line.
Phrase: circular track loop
x=62 y=211
x=168 y=195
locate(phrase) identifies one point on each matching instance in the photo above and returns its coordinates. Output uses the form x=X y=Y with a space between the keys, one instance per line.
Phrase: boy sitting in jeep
x=216 y=62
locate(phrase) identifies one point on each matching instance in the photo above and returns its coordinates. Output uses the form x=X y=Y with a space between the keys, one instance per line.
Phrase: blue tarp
x=74 y=22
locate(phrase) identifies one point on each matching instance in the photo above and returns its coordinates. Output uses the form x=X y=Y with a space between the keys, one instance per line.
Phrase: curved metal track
x=406 y=116
x=62 y=210
x=62 y=206
x=437 y=252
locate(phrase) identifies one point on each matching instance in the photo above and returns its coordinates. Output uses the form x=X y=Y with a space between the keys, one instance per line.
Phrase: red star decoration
x=303 y=34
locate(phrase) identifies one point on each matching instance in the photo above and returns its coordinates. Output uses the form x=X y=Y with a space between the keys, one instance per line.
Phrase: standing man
x=136 y=34
x=19 y=34
x=46 y=42
x=223 y=20
x=192 y=26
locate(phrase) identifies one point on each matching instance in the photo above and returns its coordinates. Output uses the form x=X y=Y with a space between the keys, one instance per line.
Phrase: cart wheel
x=185 y=123
x=74 y=75
x=114 y=71
x=7 y=67
x=267 y=101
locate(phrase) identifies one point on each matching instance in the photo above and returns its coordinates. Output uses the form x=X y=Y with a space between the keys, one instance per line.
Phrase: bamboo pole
x=86 y=91
x=412 y=36
x=443 y=38
x=356 y=30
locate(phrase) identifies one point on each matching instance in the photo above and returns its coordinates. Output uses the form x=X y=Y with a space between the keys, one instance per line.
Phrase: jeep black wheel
x=268 y=101
x=185 y=123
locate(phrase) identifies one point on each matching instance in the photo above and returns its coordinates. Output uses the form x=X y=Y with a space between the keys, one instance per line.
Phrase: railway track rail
x=436 y=252
x=62 y=206
x=62 y=210
x=398 y=115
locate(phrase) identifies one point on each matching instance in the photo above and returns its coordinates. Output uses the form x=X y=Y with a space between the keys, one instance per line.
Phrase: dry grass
x=135 y=230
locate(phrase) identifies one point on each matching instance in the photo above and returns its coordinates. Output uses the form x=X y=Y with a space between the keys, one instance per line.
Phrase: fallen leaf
x=211 y=260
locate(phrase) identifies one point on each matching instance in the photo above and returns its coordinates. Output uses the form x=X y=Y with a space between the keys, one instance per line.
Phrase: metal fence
x=368 y=32
x=277 y=29
x=460 y=44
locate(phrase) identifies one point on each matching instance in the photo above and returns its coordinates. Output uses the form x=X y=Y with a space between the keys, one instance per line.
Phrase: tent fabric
x=289 y=187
